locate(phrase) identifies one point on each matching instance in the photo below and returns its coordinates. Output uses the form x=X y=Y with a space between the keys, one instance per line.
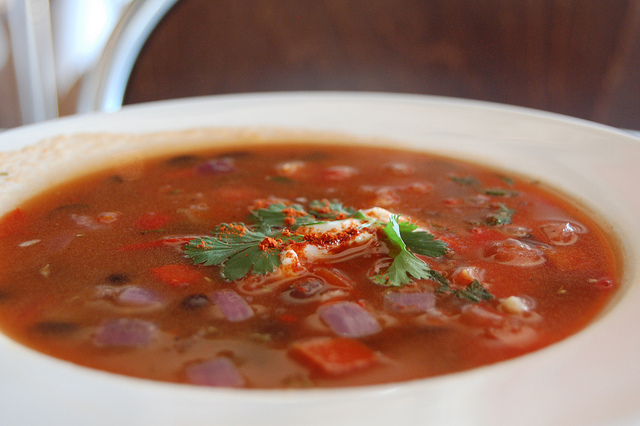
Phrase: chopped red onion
x=219 y=372
x=349 y=319
x=217 y=166
x=232 y=305
x=409 y=302
x=138 y=296
x=126 y=332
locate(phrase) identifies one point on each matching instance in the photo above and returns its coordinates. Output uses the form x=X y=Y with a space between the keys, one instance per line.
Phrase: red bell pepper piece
x=177 y=274
x=335 y=355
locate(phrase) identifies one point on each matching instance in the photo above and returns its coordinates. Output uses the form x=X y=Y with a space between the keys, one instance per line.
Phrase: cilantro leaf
x=506 y=179
x=466 y=180
x=474 y=292
x=502 y=216
x=403 y=270
x=331 y=210
x=421 y=242
x=405 y=266
x=230 y=239
x=281 y=215
x=236 y=248
x=252 y=259
x=500 y=192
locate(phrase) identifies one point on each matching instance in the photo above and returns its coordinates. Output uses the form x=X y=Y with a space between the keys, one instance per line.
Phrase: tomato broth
x=299 y=265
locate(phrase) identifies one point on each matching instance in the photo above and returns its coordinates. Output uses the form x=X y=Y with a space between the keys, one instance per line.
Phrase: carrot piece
x=335 y=356
x=176 y=274
x=150 y=221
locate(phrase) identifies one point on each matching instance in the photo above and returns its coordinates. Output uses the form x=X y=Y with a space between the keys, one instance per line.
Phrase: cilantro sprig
x=241 y=249
x=406 y=266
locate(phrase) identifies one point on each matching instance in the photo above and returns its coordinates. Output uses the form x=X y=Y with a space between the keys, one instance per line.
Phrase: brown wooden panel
x=569 y=56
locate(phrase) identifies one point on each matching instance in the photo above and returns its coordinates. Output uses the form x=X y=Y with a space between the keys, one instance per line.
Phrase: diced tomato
x=150 y=221
x=604 y=283
x=177 y=274
x=466 y=275
x=12 y=222
x=335 y=356
x=289 y=318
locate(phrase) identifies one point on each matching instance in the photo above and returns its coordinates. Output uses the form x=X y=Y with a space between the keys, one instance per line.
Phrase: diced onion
x=126 y=332
x=217 y=372
x=349 y=319
x=409 y=302
x=138 y=296
x=232 y=305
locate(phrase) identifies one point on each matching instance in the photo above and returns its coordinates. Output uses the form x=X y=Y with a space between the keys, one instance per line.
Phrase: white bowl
x=592 y=377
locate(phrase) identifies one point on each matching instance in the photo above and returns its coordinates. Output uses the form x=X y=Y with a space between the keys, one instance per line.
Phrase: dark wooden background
x=575 y=57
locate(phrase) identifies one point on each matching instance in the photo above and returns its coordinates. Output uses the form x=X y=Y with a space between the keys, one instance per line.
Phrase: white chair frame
x=103 y=87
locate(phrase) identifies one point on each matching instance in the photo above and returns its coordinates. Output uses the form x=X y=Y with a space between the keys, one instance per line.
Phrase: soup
x=299 y=265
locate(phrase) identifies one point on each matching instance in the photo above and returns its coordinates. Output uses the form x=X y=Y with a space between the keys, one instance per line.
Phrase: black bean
x=236 y=154
x=307 y=288
x=118 y=278
x=182 y=160
x=195 y=301
x=56 y=328
x=66 y=209
x=277 y=331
